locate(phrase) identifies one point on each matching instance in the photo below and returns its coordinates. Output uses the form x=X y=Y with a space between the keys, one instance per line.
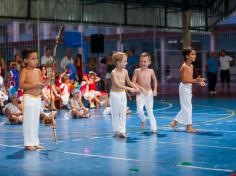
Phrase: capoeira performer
x=185 y=91
x=118 y=99
x=31 y=83
x=143 y=77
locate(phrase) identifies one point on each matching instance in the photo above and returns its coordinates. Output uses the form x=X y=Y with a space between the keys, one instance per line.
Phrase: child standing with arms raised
x=143 y=77
x=118 y=99
x=31 y=82
x=185 y=91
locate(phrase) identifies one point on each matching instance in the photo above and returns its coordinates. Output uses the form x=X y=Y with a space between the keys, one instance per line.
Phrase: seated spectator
x=64 y=90
x=47 y=116
x=3 y=92
x=13 y=110
x=77 y=108
x=88 y=89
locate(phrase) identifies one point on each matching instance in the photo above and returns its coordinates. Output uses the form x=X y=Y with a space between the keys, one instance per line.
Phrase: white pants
x=65 y=98
x=146 y=101
x=185 y=96
x=118 y=102
x=31 y=113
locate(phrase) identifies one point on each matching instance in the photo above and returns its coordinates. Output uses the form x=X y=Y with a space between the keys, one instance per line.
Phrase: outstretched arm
x=130 y=83
x=186 y=78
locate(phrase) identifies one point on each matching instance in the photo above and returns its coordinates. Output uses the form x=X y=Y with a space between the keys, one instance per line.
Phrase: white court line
x=79 y=139
x=102 y=156
x=206 y=168
x=12 y=146
x=101 y=137
x=136 y=160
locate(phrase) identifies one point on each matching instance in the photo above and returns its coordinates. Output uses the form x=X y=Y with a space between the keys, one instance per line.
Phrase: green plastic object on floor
x=186 y=163
x=134 y=170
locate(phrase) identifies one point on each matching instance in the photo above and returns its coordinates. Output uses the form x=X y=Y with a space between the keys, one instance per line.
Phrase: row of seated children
x=64 y=84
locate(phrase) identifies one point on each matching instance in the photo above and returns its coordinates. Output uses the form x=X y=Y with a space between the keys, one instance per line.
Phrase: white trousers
x=147 y=101
x=65 y=98
x=118 y=102
x=185 y=96
x=31 y=113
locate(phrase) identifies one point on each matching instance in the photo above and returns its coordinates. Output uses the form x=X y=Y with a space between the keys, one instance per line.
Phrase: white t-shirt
x=11 y=107
x=46 y=60
x=224 y=62
x=66 y=61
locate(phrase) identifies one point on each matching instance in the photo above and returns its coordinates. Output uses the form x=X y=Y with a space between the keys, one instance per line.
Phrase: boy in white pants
x=118 y=100
x=185 y=91
x=31 y=82
x=143 y=77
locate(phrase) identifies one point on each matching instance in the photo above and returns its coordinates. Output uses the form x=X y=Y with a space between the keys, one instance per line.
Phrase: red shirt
x=92 y=86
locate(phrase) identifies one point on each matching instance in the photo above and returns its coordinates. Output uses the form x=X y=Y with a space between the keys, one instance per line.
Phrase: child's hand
x=137 y=90
x=202 y=83
x=200 y=79
x=133 y=90
x=154 y=93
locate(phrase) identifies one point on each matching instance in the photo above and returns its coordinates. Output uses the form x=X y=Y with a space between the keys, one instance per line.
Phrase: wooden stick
x=55 y=133
x=128 y=95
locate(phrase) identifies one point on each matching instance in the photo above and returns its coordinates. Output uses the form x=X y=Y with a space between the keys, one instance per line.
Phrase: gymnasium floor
x=86 y=146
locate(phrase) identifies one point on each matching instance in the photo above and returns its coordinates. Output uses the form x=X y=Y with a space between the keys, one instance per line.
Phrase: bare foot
x=143 y=124
x=173 y=125
x=122 y=135
x=38 y=147
x=191 y=130
x=31 y=148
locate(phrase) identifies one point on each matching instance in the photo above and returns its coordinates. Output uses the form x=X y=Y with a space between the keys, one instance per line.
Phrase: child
x=185 y=91
x=143 y=78
x=118 y=100
x=13 y=110
x=31 y=83
x=92 y=81
x=77 y=108
x=64 y=90
x=3 y=93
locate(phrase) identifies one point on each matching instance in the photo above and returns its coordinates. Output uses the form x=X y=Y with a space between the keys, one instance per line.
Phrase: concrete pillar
x=186 y=29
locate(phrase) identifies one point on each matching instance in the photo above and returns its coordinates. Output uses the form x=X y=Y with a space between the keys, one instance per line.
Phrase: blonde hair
x=118 y=57
x=146 y=54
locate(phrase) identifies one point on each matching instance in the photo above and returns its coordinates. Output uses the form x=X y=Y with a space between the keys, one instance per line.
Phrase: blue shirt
x=212 y=64
x=133 y=61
